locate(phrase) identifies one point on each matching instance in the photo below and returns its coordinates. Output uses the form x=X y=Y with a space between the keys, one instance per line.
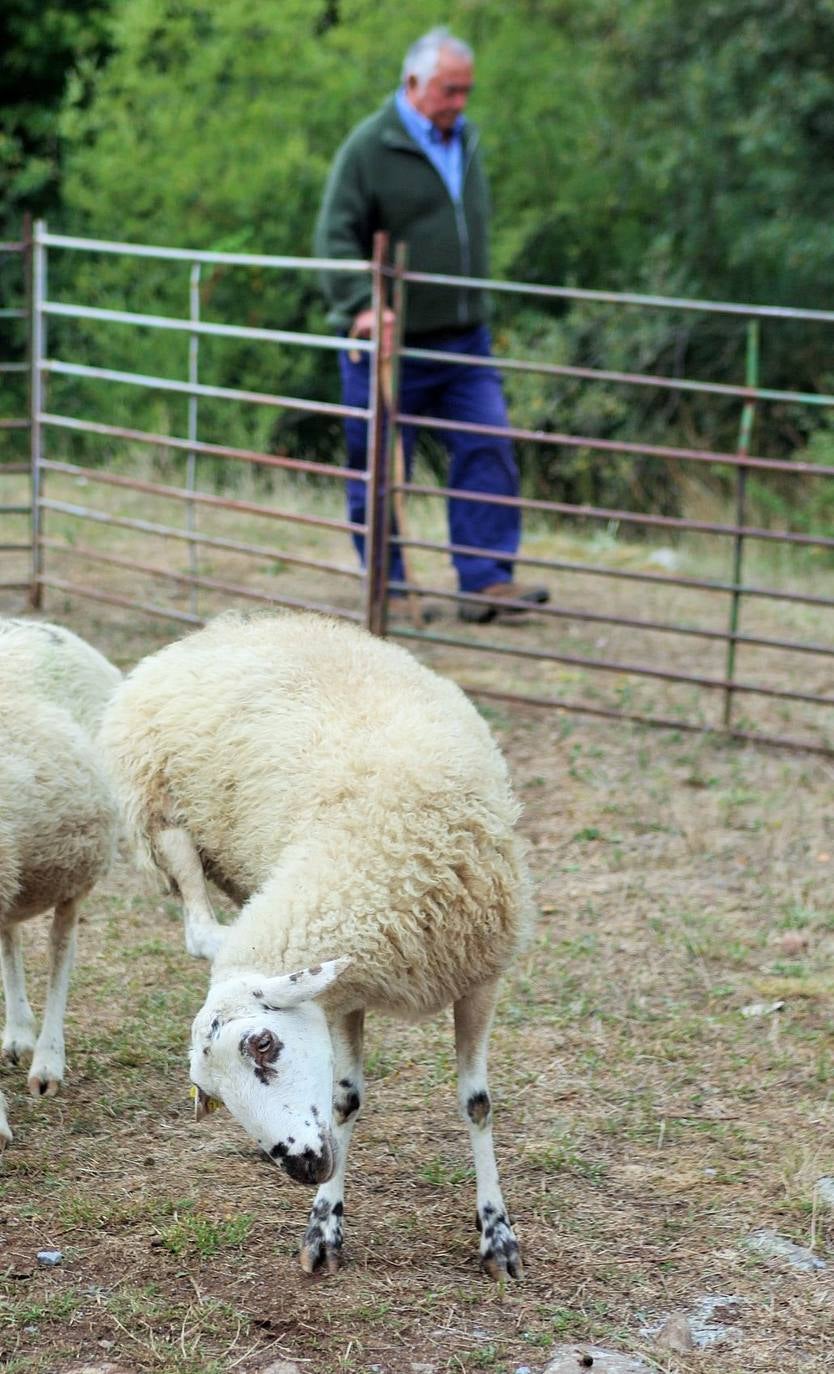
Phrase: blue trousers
x=477 y=462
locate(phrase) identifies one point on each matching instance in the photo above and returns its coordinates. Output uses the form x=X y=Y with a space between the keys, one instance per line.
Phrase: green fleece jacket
x=381 y=180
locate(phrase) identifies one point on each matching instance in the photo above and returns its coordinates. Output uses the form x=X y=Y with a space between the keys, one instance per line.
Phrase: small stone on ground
x=770 y=1243
x=573 y=1359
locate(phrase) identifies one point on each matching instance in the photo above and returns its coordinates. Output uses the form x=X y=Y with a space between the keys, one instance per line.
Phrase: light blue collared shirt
x=444 y=154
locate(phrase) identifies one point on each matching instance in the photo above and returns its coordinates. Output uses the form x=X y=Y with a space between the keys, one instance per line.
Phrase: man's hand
x=363 y=324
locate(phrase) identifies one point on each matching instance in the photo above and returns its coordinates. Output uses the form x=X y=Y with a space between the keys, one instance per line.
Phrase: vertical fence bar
x=27 y=327
x=191 y=461
x=377 y=500
x=37 y=350
x=743 y=448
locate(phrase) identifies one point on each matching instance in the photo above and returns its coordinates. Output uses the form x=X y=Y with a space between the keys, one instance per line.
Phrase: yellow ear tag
x=203 y=1104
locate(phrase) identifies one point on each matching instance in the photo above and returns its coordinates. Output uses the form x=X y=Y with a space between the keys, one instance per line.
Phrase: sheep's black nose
x=308 y=1166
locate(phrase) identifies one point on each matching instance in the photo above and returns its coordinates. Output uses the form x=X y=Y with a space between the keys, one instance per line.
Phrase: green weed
x=197 y=1234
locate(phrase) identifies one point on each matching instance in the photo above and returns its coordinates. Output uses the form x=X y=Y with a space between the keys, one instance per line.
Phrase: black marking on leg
x=491 y=1227
x=322 y=1242
x=499 y=1247
x=478 y=1108
x=348 y=1105
x=279 y=1151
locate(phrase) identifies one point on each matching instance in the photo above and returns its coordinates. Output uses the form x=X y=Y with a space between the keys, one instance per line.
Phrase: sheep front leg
x=177 y=856
x=321 y=1248
x=473 y=1019
x=19 y=1030
x=47 y=1072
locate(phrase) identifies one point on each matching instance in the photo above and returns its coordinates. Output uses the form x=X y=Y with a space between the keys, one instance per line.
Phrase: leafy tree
x=47 y=45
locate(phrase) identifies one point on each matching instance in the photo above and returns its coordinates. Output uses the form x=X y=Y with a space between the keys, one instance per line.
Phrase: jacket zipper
x=463 y=231
x=457 y=205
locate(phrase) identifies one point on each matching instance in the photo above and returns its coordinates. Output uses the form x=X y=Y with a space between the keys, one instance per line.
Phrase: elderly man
x=414 y=170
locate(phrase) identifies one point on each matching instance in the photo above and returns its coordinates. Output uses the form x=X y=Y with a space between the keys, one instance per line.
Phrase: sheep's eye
x=264 y=1048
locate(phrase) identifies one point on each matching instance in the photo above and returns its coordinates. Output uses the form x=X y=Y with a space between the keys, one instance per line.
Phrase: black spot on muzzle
x=309 y=1167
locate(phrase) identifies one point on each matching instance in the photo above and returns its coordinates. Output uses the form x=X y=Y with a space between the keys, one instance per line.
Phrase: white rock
x=572 y=1359
x=711 y=1318
x=825 y=1190
x=767 y=1242
x=708 y=1321
x=107 y=1368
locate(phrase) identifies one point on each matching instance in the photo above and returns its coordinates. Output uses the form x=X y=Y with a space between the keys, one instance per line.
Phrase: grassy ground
x=645 y=1126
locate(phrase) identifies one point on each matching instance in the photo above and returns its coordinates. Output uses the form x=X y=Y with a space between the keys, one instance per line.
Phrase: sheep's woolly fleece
x=55 y=665
x=58 y=822
x=354 y=797
x=58 y=836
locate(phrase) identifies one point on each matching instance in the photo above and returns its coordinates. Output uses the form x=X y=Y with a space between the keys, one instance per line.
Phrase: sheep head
x=262 y=1047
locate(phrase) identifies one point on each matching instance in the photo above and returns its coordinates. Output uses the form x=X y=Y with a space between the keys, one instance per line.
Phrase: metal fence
x=15 y=540
x=729 y=631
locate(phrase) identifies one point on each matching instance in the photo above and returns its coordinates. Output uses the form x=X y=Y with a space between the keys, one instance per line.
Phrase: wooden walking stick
x=398 y=474
x=415 y=610
x=397 y=478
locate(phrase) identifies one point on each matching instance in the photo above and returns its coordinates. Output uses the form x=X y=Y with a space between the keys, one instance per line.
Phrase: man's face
x=445 y=94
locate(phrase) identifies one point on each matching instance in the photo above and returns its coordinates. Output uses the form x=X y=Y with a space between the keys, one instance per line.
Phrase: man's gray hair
x=423 y=57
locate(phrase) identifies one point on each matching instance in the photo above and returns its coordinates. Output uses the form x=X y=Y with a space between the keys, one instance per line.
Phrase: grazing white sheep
x=356 y=806
x=57 y=822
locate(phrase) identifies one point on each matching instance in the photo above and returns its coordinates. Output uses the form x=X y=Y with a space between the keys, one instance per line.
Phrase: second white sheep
x=58 y=823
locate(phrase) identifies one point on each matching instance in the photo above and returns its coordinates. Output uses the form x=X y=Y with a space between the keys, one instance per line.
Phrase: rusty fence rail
x=723 y=680
x=716 y=638
x=15 y=508
x=188 y=498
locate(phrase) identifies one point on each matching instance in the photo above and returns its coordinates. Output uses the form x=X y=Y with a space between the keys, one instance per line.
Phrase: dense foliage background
x=640 y=145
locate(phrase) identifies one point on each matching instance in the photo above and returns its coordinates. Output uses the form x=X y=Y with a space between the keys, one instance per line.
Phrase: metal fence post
x=191 y=461
x=743 y=449
x=377 y=502
x=37 y=351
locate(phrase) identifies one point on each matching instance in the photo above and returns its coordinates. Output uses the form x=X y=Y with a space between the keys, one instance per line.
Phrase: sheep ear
x=290 y=989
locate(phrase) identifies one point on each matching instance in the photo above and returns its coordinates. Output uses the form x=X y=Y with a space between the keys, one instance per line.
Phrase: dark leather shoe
x=399 y=608
x=480 y=613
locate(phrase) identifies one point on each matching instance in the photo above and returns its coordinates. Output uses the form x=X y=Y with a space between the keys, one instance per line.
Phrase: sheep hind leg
x=473 y=1019
x=20 y=1027
x=176 y=855
x=321 y=1248
x=5 y=1129
x=47 y=1072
